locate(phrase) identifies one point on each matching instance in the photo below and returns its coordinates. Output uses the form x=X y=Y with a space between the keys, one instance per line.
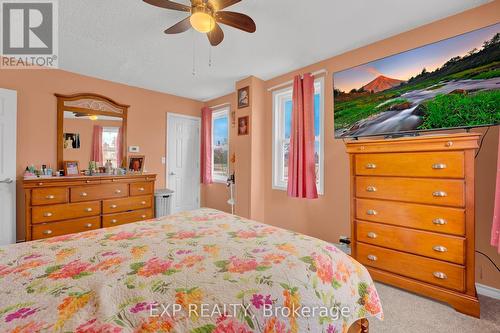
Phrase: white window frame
x=110 y=129
x=279 y=99
x=216 y=114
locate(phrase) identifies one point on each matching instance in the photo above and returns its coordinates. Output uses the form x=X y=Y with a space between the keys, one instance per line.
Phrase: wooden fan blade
x=169 y=5
x=236 y=20
x=216 y=35
x=182 y=26
x=221 y=4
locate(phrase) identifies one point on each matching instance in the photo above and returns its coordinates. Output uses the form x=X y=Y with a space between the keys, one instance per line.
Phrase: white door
x=8 y=115
x=183 y=161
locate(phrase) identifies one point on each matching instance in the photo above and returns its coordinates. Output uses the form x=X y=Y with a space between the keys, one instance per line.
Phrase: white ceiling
x=123 y=40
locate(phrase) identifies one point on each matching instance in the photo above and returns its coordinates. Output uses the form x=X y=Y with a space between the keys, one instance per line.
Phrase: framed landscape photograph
x=453 y=83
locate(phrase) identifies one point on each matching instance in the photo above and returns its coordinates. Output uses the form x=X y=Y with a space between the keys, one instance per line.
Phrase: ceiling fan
x=206 y=16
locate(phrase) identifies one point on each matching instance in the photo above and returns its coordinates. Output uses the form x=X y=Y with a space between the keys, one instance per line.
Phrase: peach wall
x=37 y=123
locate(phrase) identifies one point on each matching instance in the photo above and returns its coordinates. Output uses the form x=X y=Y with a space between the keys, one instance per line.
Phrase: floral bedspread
x=202 y=272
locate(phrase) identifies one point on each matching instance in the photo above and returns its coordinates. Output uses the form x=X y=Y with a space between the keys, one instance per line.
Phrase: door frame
x=171 y=115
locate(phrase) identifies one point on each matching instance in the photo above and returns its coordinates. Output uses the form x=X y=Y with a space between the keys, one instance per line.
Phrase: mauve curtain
x=301 y=163
x=495 y=230
x=206 y=146
x=96 y=154
x=119 y=148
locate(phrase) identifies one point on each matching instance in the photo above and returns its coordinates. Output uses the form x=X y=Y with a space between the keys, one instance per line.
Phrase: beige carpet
x=408 y=313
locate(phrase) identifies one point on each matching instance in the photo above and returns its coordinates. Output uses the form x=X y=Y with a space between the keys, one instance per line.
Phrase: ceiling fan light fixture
x=202 y=20
x=93 y=117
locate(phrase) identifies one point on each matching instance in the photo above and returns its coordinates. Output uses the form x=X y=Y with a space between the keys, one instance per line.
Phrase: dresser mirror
x=91 y=128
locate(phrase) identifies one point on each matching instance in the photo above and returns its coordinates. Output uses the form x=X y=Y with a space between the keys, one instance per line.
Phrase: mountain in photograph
x=382 y=83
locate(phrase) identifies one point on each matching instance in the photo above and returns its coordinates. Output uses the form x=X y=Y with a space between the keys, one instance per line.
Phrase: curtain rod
x=287 y=83
x=219 y=106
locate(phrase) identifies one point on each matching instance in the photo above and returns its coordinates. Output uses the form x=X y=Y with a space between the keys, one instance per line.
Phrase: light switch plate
x=163 y=160
x=133 y=149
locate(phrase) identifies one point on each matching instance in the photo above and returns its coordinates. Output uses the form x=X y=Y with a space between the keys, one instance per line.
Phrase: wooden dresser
x=413 y=214
x=64 y=205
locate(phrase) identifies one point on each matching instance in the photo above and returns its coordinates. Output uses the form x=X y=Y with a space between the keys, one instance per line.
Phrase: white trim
x=198 y=120
x=220 y=106
x=288 y=83
x=488 y=291
x=220 y=113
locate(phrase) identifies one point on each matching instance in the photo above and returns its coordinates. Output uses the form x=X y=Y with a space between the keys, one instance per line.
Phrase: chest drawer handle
x=87 y=182
x=440 y=248
x=371 y=166
x=439 y=166
x=141 y=189
x=114 y=206
x=371 y=189
x=439 y=221
x=440 y=275
x=440 y=194
x=143 y=203
x=88 y=210
x=118 y=191
x=371 y=212
x=143 y=216
x=48 y=232
x=372 y=257
x=372 y=235
x=50 y=197
x=83 y=194
x=47 y=214
x=449 y=144
x=88 y=225
x=113 y=221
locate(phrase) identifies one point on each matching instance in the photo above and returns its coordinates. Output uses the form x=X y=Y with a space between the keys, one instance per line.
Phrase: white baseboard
x=487 y=291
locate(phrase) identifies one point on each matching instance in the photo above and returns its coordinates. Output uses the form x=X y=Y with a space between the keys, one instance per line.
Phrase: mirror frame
x=91 y=104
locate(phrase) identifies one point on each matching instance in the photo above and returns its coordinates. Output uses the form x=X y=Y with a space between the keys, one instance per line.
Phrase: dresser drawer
x=65 y=211
x=49 y=196
x=104 y=191
x=128 y=217
x=445 y=192
x=47 y=230
x=125 y=204
x=442 y=165
x=429 y=244
x=432 y=218
x=141 y=188
x=433 y=271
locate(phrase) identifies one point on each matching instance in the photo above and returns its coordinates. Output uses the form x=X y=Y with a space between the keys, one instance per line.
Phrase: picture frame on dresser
x=71 y=168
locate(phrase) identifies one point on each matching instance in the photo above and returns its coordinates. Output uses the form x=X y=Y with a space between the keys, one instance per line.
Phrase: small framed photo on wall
x=136 y=163
x=71 y=168
x=244 y=125
x=243 y=97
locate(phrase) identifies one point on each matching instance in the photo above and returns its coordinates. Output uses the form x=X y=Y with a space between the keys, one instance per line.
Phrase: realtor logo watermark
x=29 y=36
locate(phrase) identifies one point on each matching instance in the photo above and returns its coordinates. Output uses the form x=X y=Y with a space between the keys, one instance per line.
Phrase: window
x=220 y=145
x=109 y=138
x=282 y=125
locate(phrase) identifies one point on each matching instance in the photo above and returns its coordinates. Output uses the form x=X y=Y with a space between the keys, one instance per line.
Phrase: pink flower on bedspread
x=324 y=268
x=92 y=326
x=154 y=266
x=237 y=265
x=246 y=234
x=184 y=235
x=33 y=256
x=20 y=314
x=259 y=300
x=71 y=270
x=228 y=325
x=122 y=235
x=331 y=329
x=143 y=306
x=372 y=304
x=31 y=327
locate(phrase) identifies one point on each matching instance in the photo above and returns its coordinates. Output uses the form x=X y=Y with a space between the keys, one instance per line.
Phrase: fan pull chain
x=209 y=55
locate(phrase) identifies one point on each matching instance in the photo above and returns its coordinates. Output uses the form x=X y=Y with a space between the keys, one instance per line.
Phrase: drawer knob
x=143 y=203
x=440 y=248
x=143 y=216
x=48 y=232
x=114 y=206
x=87 y=181
x=83 y=194
x=118 y=191
x=88 y=225
x=371 y=212
x=47 y=214
x=439 y=166
x=113 y=221
x=371 y=166
x=440 y=194
x=449 y=144
x=88 y=210
x=40 y=184
x=372 y=235
x=439 y=221
x=141 y=189
x=50 y=197
x=372 y=257
x=371 y=189
x=440 y=275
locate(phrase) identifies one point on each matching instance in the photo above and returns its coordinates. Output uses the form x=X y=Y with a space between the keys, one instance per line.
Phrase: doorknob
x=6 y=181
x=172 y=173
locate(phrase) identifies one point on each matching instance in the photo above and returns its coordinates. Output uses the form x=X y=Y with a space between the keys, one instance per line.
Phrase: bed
x=202 y=272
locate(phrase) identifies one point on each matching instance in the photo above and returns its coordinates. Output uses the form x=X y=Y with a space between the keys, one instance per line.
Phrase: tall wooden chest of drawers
x=64 y=205
x=413 y=214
